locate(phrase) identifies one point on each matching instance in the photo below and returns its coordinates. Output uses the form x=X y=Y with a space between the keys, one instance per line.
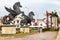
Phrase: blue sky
x=39 y=7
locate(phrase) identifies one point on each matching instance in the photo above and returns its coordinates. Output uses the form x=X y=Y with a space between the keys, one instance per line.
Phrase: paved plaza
x=37 y=36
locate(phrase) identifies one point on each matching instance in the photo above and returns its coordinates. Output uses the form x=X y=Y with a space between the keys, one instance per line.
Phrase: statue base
x=8 y=29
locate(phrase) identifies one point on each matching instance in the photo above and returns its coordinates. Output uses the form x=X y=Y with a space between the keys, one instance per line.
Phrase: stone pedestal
x=25 y=30
x=8 y=29
x=21 y=29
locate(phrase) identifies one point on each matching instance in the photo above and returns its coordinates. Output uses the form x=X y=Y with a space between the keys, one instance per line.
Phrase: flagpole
x=47 y=19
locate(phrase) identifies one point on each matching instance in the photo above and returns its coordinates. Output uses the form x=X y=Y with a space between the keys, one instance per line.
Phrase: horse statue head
x=17 y=7
x=17 y=4
x=31 y=14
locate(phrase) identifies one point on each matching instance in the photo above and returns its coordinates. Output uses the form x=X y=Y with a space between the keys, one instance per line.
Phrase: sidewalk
x=58 y=36
x=37 y=36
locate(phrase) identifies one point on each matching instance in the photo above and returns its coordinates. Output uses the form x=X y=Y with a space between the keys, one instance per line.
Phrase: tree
x=55 y=19
x=54 y=13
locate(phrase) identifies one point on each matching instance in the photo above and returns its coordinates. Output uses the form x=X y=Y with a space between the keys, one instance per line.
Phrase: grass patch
x=33 y=31
x=22 y=34
x=5 y=35
x=52 y=30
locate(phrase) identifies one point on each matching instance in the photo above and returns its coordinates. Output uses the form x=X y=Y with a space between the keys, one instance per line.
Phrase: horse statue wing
x=10 y=10
x=7 y=9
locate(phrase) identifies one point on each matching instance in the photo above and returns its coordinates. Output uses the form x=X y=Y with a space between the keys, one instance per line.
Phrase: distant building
x=39 y=23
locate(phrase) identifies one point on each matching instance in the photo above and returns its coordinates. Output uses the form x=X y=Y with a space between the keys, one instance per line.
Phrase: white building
x=39 y=23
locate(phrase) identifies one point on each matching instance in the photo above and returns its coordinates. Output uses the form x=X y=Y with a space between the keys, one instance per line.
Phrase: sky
x=39 y=7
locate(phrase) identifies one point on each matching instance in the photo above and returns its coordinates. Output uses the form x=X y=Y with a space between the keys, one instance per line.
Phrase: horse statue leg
x=23 y=22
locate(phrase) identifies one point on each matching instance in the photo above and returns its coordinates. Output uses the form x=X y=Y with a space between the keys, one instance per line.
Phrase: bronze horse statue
x=16 y=11
x=27 y=19
x=13 y=12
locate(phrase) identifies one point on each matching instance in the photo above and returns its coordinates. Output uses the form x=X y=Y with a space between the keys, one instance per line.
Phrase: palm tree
x=54 y=16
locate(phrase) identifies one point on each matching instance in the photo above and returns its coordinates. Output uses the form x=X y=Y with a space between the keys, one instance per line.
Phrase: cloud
x=38 y=6
x=56 y=2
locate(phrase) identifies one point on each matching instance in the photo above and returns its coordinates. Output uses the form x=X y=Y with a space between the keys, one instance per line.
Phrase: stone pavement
x=58 y=36
x=38 y=36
